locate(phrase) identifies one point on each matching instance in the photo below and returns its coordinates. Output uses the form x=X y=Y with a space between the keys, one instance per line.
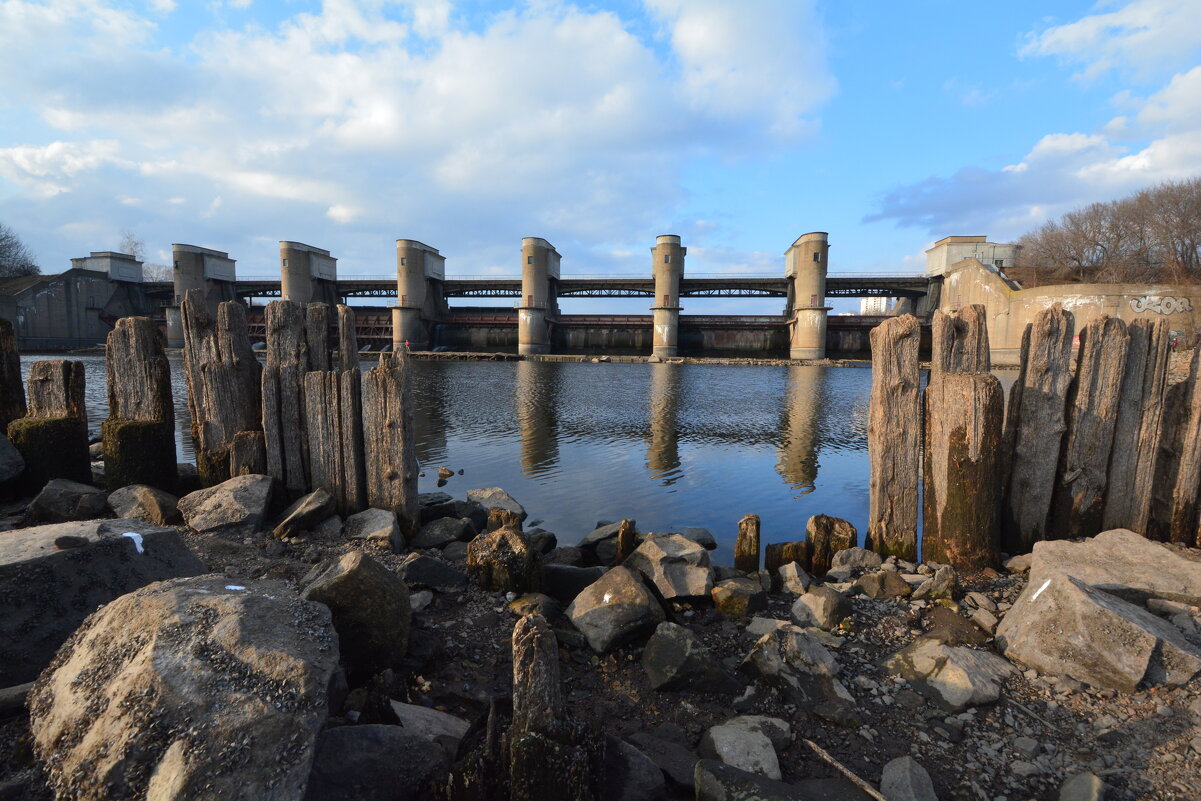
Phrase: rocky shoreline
x=1072 y=674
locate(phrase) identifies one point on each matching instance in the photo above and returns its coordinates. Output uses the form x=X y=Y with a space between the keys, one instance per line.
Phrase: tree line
x=15 y=256
x=1152 y=236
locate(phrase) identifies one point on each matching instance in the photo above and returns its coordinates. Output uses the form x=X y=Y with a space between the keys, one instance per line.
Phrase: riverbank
x=872 y=660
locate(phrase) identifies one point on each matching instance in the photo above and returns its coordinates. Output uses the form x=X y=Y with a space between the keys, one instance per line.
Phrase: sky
x=234 y=124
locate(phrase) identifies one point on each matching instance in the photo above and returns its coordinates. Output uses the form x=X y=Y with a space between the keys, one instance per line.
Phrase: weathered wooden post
x=247 y=454
x=348 y=339
x=12 y=390
x=746 y=547
x=223 y=381
x=1136 y=435
x=1034 y=428
x=388 y=439
x=550 y=758
x=626 y=541
x=778 y=554
x=1180 y=524
x=1079 y=498
x=334 y=425
x=1172 y=430
x=962 y=476
x=139 y=434
x=894 y=438
x=53 y=435
x=827 y=536
x=959 y=341
x=316 y=333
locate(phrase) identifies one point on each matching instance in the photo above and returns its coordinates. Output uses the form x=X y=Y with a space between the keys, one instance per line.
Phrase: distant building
x=874 y=305
x=952 y=249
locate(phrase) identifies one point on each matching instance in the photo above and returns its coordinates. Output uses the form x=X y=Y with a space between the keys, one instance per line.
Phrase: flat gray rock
x=677 y=566
x=953 y=676
x=496 y=498
x=1123 y=563
x=614 y=610
x=234 y=508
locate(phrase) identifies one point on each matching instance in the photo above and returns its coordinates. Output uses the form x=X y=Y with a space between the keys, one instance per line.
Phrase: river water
x=666 y=444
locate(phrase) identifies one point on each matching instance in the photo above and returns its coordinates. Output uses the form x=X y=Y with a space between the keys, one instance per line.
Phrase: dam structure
x=425 y=306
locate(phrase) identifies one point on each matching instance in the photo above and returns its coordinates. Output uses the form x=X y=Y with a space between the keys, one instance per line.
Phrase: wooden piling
x=334 y=426
x=1172 y=430
x=959 y=341
x=626 y=541
x=1035 y=426
x=894 y=438
x=1078 y=502
x=746 y=547
x=778 y=554
x=223 y=378
x=316 y=333
x=284 y=435
x=1136 y=436
x=247 y=454
x=389 y=441
x=827 y=536
x=52 y=437
x=139 y=434
x=12 y=389
x=1180 y=523
x=348 y=339
x=961 y=468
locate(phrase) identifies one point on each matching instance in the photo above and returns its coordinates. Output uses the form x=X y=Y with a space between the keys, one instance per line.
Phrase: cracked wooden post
x=284 y=436
x=348 y=339
x=778 y=554
x=959 y=341
x=894 y=438
x=334 y=425
x=139 y=434
x=1034 y=428
x=746 y=547
x=223 y=378
x=1180 y=520
x=626 y=541
x=827 y=536
x=1172 y=430
x=961 y=502
x=316 y=333
x=1136 y=436
x=12 y=389
x=389 y=442
x=52 y=437
x=550 y=758
x=1078 y=501
x=247 y=454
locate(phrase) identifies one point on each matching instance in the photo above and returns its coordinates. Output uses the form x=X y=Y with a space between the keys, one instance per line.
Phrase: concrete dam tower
x=417 y=266
x=307 y=274
x=667 y=266
x=539 y=267
x=213 y=272
x=805 y=266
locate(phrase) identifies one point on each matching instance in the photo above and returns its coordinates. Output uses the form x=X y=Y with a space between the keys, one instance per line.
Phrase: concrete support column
x=213 y=272
x=174 y=327
x=806 y=263
x=307 y=274
x=667 y=267
x=539 y=264
x=415 y=264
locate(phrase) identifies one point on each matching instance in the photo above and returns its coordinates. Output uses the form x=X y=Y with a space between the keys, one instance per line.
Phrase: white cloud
x=47 y=169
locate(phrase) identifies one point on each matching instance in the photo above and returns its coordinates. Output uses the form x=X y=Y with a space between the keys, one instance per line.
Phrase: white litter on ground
x=137 y=540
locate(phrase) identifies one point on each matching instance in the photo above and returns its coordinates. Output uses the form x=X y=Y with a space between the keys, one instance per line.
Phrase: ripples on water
x=668 y=445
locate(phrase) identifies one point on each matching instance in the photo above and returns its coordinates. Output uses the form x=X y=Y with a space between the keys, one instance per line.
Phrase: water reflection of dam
x=536 y=399
x=800 y=427
x=663 y=446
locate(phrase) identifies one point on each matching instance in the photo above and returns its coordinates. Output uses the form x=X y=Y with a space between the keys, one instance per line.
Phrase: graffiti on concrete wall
x=1161 y=305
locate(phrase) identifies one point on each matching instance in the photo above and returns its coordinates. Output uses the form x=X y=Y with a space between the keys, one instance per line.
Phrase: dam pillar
x=307 y=274
x=805 y=265
x=213 y=272
x=667 y=267
x=419 y=270
x=539 y=267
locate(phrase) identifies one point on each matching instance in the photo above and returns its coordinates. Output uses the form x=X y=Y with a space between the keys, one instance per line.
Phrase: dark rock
x=542 y=541
x=564 y=582
x=565 y=555
x=675 y=659
x=672 y=757
x=823 y=607
x=951 y=629
x=165 y=692
x=629 y=774
x=433 y=505
x=234 y=508
x=473 y=511
x=49 y=590
x=739 y=597
x=951 y=676
x=535 y=603
x=12 y=464
x=678 y=567
x=455 y=552
x=425 y=571
x=839 y=712
x=719 y=782
x=615 y=610
x=305 y=513
x=496 y=498
x=904 y=779
x=797 y=664
x=62 y=501
x=142 y=502
x=701 y=536
x=443 y=531
x=742 y=747
x=377 y=526
x=503 y=560
x=370 y=608
x=374 y=763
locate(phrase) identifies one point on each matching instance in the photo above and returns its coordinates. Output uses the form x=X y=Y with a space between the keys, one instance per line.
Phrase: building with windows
x=875 y=306
x=953 y=249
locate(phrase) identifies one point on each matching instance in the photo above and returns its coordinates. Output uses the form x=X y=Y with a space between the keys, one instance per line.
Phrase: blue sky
x=235 y=124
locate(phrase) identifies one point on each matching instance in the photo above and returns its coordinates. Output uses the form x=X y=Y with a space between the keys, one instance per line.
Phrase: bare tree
x=15 y=257
x=151 y=271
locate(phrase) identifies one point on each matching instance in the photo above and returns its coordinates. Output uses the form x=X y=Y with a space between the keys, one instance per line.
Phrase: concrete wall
x=74 y=309
x=1009 y=309
x=953 y=249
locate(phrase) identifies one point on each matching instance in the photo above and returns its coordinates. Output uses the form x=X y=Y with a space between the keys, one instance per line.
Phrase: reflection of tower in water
x=536 y=396
x=663 y=452
x=431 y=421
x=796 y=457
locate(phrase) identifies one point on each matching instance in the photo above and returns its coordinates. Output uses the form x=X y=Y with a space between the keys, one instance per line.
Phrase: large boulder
x=234 y=508
x=675 y=659
x=904 y=779
x=52 y=577
x=419 y=570
x=743 y=748
x=377 y=526
x=1122 y=563
x=629 y=774
x=12 y=464
x=503 y=560
x=739 y=597
x=614 y=610
x=676 y=565
x=374 y=762
x=370 y=608
x=307 y=511
x=822 y=607
x=442 y=532
x=797 y=664
x=188 y=688
x=142 y=502
x=954 y=677
x=1061 y=626
x=717 y=781
x=62 y=501
x=565 y=582
x=496 y=498
x=430 y=724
